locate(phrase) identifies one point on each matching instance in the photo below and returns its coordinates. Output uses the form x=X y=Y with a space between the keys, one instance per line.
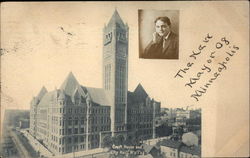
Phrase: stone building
x=75 y=117
x=141 y=111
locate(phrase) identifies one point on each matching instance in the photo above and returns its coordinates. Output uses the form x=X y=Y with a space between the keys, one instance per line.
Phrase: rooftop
x=69 y=88
x=194 y=150
x=116 y=20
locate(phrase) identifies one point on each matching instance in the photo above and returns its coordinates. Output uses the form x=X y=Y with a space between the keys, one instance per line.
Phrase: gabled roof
x=70 y=84
x=42 y=92
x=116 y=20
x=50 y=96
x=47 y=98
x=69 y=88
x=147 y=148
x=140 y=94
x=98 y=95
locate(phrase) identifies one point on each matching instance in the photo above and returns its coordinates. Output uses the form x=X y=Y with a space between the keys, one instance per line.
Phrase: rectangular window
x=69 y=131
x=76 y=122
x=69 y=140
x=82 y=122
x=82 y=139
x=70 y=122
x=76 y=139
x=76 y=131
x=82 y=130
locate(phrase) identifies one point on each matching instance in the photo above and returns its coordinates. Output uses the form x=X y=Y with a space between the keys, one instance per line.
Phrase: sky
x=43 y=42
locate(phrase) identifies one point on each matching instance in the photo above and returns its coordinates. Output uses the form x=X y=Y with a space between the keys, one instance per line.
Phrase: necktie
x=164 y=43
x=161 y=42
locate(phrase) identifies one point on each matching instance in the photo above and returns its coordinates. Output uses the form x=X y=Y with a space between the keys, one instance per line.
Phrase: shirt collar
x=167 y=35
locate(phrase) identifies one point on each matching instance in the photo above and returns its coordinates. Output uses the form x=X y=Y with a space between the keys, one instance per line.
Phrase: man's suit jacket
x=156 y=51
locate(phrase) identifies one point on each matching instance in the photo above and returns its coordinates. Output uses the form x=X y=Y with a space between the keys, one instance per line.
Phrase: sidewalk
x=20 y=147
x=36 y=144
x=81 y=154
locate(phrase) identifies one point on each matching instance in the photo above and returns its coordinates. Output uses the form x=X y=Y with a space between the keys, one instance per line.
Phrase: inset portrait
x=158 y=34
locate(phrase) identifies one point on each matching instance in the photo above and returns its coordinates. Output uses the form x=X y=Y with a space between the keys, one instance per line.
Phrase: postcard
x=125 y=79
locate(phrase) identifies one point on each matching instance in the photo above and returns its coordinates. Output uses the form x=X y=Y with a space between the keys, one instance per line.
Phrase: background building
x=12 y=118
x=142 y=111
x=177 y=149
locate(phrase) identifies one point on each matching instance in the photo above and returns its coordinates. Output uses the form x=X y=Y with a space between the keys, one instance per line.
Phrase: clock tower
x=115 y=71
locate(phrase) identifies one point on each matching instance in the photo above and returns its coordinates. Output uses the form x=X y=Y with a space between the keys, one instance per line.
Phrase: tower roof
x=70 y=84
x=42 y=92
x=140 y=93
x=139 y=90
x=116 y=20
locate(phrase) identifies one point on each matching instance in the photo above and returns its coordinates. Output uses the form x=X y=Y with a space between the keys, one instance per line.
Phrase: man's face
x=162 y=28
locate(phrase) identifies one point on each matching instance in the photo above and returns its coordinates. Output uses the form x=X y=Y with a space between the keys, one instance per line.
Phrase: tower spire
x=116 y=20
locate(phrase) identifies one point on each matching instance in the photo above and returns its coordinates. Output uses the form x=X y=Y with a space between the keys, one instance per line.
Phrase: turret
x=34 y=101
x=62 y=98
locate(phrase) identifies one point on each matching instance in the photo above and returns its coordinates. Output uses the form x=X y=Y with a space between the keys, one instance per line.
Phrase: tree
x=107 y=142
x=133 y=139
x=129 y=140
x=120 y=140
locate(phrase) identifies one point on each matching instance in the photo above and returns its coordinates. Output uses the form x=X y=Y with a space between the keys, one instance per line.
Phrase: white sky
x=40 y=53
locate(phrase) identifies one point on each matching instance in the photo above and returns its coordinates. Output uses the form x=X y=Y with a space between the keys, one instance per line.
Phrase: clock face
x=122 y=37
x=107 y=38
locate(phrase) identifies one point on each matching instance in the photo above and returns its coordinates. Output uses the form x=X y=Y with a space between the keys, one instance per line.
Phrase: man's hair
x=165 y=19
